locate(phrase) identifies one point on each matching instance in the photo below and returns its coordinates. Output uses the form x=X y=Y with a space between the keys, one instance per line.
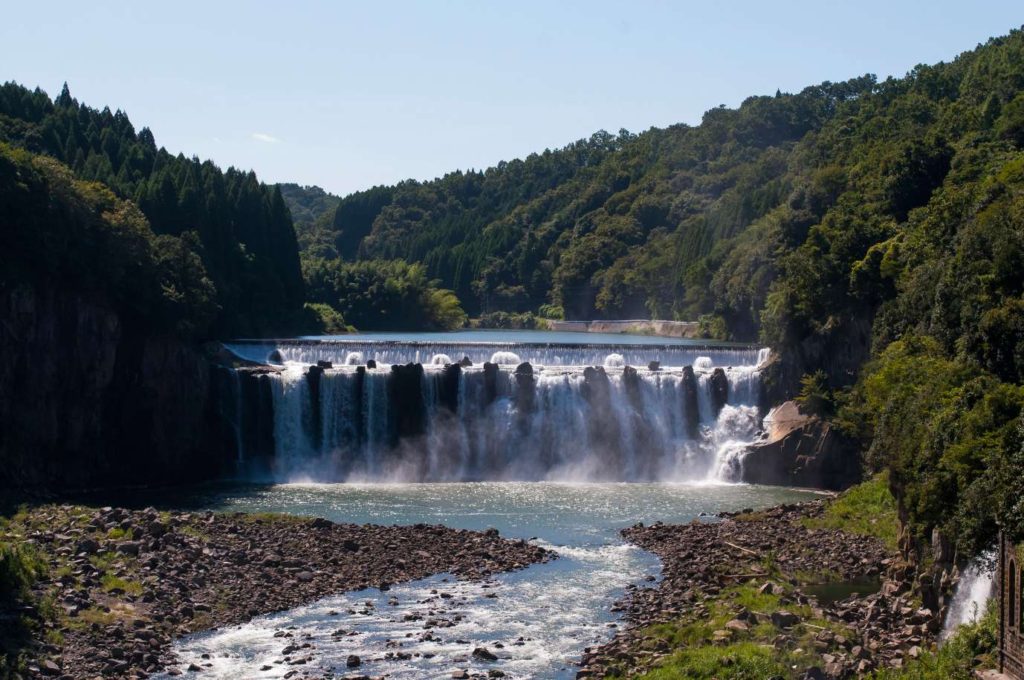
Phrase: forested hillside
x=613 y=226
x=312 y=211
x=857 y=224
x=238 y=227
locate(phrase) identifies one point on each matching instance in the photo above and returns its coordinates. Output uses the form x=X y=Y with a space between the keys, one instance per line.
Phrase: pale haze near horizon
x=350 y=95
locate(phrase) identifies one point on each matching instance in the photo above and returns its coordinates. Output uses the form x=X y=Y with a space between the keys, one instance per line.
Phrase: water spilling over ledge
x=403 y=411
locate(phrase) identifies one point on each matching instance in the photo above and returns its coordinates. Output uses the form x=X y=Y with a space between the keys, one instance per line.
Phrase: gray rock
x=784 y=619
x=129 y=547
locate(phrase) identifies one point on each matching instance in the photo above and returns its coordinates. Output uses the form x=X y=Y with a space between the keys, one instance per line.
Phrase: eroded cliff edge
x=89 y=398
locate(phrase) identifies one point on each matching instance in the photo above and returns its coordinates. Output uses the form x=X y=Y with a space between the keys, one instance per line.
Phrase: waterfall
x=972 y=593
x=507 y=419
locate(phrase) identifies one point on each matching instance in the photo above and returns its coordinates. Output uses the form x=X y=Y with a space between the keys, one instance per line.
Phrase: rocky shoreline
x=713 y=570
x=120 y=585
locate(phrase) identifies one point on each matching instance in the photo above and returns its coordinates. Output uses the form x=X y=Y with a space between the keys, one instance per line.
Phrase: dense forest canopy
x=239 y=228
x=312 y=211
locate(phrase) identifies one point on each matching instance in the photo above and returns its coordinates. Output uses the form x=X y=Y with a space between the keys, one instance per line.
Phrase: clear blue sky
x=347 y=95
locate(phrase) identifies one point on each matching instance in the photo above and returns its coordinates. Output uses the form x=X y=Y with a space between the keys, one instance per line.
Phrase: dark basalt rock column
x=229 y=424
x=257 y=417
x=690 y=402
x=645 y=442
x=359 y=415
x=719 y=390
x=526 y=385
x=526 y=392
x=490 y=383
x=631 y=381
x=313 y=423
x=602 y=425
x=448 y=394
x=405 y=394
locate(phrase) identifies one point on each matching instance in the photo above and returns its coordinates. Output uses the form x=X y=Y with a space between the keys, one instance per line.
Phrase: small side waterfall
x=971 y=595
x=503 y=420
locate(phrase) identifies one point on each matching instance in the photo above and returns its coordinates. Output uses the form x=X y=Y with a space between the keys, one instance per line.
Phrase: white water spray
x=971 y=595
x=614 y=360
x=505 y=359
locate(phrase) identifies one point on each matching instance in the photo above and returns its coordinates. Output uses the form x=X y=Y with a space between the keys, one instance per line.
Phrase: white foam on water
x=505 y=359
x=614 y=360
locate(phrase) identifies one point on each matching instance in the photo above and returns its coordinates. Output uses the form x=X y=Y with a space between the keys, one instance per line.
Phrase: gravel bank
x=122 y=585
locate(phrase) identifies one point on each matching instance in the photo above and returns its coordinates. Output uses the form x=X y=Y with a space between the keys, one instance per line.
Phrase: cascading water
x=501 y=419
x=971 y=595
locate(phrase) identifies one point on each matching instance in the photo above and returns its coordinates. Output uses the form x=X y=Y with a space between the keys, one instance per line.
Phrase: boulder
x=784 y=619
x=801 y=450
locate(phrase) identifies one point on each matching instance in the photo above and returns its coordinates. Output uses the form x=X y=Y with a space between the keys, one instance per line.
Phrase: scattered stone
x=198 y=570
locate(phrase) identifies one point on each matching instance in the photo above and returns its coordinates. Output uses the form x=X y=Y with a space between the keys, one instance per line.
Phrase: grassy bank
x=867 y=509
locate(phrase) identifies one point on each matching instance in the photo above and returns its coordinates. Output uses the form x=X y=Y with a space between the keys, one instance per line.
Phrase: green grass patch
x=749 y=653
x=194 y=532
x=867 y=509
x=104 y=560
x=109 y=583
x=20 y=567
x=119 y=534
x=738 y=661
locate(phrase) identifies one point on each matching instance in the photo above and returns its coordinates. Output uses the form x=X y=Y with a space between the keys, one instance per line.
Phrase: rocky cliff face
x=89 y=399
x=840 y=349
x=801 y=450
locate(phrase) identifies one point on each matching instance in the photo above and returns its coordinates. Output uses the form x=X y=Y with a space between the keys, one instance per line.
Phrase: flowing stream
x=538 y=621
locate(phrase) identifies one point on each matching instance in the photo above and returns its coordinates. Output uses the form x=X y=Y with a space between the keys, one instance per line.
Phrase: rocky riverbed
x=120 y=585
x=752 y=578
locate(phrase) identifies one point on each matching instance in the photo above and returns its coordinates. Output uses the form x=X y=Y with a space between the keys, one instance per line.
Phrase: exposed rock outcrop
x=89 y=398
x=801 y=450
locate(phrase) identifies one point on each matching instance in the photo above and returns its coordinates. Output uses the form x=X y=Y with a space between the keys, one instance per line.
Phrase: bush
x=20 y=567
x=815 y=397
x=383 y=295
x=322 y=318
x=549 y=311
x=525 y=321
